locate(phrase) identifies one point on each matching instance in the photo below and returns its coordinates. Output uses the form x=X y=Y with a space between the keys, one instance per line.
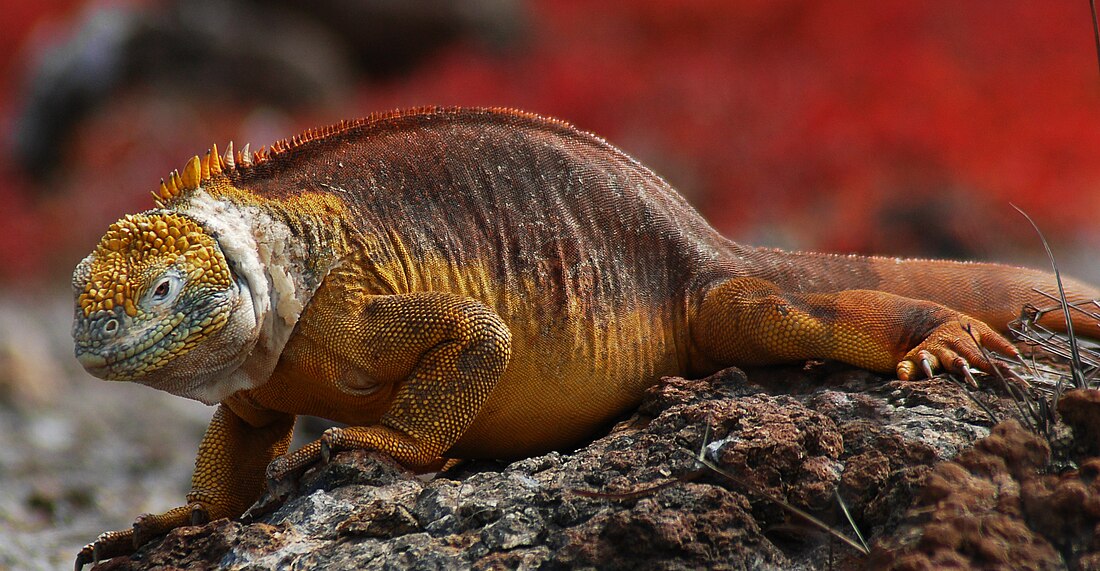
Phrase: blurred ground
x=76 y=457
x=865 y=126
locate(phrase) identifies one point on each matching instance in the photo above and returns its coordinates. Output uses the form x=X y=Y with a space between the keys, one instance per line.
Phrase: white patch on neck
x=261 y=251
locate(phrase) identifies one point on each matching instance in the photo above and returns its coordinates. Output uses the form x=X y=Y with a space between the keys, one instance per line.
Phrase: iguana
x=474 y=283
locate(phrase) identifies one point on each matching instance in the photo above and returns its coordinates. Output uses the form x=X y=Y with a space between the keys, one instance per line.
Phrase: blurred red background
x=888 y=126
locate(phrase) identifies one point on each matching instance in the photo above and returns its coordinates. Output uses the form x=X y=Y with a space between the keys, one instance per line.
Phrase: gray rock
x=633 y=499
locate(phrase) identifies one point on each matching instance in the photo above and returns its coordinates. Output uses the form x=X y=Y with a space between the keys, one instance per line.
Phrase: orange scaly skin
x=473 y=283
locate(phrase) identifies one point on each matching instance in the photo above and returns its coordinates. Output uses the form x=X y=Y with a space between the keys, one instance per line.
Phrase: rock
x=997 y=505
x=638 y=499
x=1078 y=409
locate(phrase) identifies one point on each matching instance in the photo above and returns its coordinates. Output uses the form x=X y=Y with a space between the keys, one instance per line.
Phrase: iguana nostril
x=111 y=326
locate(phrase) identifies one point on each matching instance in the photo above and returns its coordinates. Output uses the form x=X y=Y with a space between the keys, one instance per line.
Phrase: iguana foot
x=282 y=477
x=108 y=545
x=284 y=471
x=339 y=439
x=955 y=347
x=113 y=544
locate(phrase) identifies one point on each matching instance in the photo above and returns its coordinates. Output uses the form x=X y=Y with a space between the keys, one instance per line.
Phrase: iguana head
x=157 y=304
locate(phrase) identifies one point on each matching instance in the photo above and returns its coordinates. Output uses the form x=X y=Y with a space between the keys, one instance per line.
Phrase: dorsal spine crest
x=200 y=170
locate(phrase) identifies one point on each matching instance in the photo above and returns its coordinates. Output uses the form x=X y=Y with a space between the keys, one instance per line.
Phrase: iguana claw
x=86 y=556
x=107 y=546
x=281 y=479
x=283 y=472
x=328 y=444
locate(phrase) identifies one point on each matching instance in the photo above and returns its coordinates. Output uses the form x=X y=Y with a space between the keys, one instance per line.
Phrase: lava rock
x=920 y=465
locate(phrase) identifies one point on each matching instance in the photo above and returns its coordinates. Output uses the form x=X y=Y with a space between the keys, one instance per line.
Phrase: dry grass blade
x=1095 y=29
x=851 y=520
x=1028 y=330
x=1030 y=411
x=969 y=390
x=860 y=546
x=1075 y=355
x=640 y=492
x=793 y=509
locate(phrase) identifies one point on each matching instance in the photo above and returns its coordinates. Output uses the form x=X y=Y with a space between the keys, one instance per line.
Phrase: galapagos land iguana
x=474 y=283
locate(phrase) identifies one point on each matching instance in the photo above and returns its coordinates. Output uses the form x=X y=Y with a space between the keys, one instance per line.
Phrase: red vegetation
x=862 y=126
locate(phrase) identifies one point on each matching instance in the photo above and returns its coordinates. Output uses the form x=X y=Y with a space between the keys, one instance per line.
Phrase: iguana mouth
x=109 y=364
x=91 y=361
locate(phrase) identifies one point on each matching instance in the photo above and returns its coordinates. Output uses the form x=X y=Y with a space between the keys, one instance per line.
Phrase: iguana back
x=585 y=255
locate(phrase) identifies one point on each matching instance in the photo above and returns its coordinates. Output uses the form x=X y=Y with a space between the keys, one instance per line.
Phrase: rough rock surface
x=999 y=505
x=637 y=498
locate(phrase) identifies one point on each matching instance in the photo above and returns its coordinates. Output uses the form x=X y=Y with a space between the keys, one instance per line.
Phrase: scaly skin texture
x=469 y=284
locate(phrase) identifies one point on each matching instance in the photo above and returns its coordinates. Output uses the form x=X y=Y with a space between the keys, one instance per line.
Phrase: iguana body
x=473 y=283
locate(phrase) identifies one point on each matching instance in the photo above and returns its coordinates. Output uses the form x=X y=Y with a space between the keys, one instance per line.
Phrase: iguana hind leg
x=751 y=321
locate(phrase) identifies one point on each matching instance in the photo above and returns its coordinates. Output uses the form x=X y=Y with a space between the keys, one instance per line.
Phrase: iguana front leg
x=751 y=321
x=444 y=353
x=228 y=477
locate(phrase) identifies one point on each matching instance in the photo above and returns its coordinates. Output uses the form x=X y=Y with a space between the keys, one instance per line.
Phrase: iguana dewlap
x=474 y=283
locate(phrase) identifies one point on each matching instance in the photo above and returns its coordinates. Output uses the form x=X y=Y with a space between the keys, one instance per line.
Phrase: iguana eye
x=165 y=290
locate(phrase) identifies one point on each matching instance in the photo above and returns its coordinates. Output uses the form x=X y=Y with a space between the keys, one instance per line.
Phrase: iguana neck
x=281 y=258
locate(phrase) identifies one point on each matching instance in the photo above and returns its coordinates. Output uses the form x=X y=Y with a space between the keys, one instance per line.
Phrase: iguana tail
x=993 y=293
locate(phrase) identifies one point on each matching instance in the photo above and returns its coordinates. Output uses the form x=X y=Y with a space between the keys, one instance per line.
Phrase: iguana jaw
x=158 y=353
